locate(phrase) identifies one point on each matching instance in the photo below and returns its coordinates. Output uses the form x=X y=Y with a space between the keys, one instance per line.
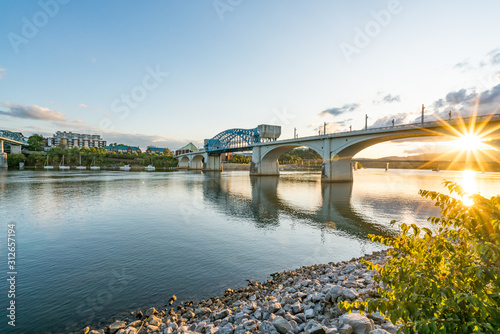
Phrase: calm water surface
x=94 y=245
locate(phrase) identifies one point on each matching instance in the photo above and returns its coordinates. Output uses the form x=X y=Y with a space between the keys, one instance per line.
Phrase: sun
x=469 y=142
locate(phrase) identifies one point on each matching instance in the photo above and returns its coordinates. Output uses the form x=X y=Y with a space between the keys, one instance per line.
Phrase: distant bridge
x=15 y=140
x=336 y=149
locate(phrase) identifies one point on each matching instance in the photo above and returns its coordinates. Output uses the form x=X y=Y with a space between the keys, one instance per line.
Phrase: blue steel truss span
x=232 y=140
x=13 y=136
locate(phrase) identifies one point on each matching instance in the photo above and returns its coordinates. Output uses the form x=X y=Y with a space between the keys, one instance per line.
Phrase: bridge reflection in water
x=267 y=206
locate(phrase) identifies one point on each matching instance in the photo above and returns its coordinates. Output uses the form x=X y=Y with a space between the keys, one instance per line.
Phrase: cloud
x=340 y=110
x=387 y=120
x=494 y=57
x=462 y=103
x=32 y=112
x=1 y=70
x=388 y=99
x=491 y=59
x=81 y=105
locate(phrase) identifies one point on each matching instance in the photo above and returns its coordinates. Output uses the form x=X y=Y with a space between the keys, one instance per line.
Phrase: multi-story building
x=186 y=149
x=70 y=139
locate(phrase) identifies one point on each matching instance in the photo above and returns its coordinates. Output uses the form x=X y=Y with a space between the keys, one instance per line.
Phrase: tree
x=445 y=279
x=35 y=142
x=14 y=159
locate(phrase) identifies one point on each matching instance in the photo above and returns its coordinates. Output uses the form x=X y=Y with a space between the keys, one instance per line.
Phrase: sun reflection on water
x=469 y=186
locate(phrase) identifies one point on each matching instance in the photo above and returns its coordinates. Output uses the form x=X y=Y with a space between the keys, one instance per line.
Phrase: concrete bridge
x=14 y=140
x=337 y=149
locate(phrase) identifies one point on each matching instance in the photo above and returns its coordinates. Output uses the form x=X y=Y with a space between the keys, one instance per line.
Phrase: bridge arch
x=183 y=162
x=197 y=162
x=269 y=160
x=231 y=139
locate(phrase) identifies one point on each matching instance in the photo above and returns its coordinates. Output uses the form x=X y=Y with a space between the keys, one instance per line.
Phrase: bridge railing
x=13 y=136
x=430 y=124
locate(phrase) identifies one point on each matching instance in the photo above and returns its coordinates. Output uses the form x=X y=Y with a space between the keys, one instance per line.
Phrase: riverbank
x=294 y=301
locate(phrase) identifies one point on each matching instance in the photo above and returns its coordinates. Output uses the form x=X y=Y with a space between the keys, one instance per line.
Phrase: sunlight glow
x=469 y=185
x=469 y=142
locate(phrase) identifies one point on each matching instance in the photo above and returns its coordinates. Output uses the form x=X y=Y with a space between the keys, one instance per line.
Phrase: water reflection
x=267 y=202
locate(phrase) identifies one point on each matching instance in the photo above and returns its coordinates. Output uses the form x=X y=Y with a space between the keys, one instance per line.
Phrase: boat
x=125 y=167
x=150 y=168
x=47 y=166
x=81 y=167
x=61 y=165
x=93 y=165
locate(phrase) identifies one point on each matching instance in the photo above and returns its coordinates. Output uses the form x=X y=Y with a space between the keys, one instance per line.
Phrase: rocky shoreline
x=294 y=301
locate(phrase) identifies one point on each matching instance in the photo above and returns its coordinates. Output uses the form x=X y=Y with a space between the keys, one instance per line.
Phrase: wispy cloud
x=1 y=70
x=491 y=59
x=340 y=110
x=32 y=112
x=81 y=105
x=387 y=120
x=388 y=99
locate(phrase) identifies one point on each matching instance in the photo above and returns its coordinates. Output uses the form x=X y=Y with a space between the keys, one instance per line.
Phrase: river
x=93 y=245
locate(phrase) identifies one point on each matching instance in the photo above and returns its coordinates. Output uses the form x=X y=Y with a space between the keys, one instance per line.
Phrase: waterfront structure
x=123 y=149
x=186 y=149
x=15 y=139
x=336 y=149
x=157 y=150
x=70 y=139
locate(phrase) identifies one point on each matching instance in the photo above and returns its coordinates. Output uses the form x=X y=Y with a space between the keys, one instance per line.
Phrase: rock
x=345 y=329
x=154 y=320
x=136 y=323
x=309 y=313
x=377 y=317
x=151 y=311
x=389 y=326
x=313 y=327
x=139 y=315
x=275 y=307
x=116 y=326
x=350 y=294
x=222 y=314
x=334 y=292
x=250 y=325
x=379 y=331
x=297 y=307
x=281 y=325
x=86 y=330
x=359 y=323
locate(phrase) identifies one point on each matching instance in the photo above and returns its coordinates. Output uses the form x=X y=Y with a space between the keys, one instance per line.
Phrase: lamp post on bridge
x=324 y=128
x=423 y=113
x=366 y=122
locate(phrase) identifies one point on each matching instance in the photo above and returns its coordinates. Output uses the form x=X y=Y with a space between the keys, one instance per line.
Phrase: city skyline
x=168 y=73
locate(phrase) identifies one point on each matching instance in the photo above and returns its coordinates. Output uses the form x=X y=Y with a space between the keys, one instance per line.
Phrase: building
x=70 y=139
x=157 y=150
x=123 y=149
x=186 y=149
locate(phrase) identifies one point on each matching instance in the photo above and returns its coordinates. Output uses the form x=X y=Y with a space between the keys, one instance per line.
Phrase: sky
x=169 y=72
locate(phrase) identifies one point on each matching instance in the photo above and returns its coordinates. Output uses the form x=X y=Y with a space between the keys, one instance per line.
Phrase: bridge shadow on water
x=268 y=206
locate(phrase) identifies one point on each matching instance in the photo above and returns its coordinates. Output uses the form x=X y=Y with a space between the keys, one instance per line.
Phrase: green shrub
x=14 y=159
x=444 y=280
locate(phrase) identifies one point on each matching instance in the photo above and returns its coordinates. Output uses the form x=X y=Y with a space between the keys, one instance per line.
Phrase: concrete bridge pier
x=15 y=149
x=337 y=170
x=264 y=166
x=213 y=163
x=3 y=156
